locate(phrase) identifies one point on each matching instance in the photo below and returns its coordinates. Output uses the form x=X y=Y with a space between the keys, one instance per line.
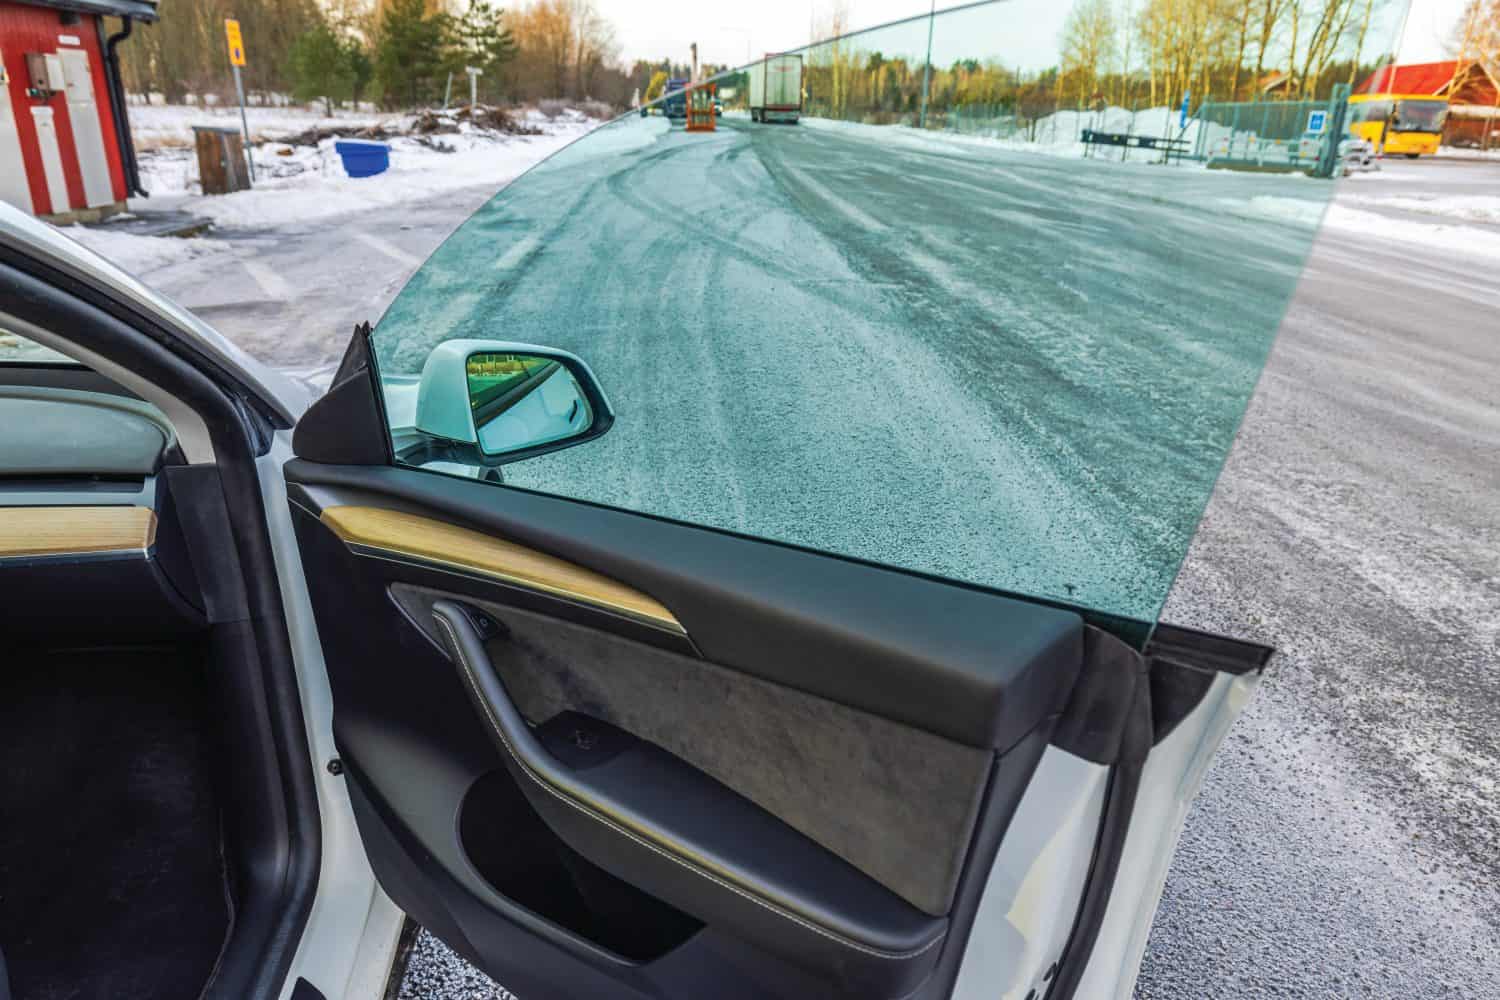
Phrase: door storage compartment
x=526 y=862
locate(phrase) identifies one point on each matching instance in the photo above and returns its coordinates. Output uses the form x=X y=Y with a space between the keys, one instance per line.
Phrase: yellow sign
x=236 y=43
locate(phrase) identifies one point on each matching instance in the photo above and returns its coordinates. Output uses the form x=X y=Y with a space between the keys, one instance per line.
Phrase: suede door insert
x=896 y=802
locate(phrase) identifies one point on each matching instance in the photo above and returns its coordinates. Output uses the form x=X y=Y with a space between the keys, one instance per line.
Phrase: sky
x=737 y=33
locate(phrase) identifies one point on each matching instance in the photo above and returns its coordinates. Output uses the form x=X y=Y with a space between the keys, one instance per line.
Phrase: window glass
x=16 y=349
x=1420 y=116
x=928 y=325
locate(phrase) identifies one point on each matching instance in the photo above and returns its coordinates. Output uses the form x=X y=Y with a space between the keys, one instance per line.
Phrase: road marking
x=273 y=284
x=517 y=253
x=848 y=211
x=388 y=248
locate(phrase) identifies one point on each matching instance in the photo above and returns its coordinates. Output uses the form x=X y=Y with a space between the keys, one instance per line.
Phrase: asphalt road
x=1013 y=370
x=1345 y=843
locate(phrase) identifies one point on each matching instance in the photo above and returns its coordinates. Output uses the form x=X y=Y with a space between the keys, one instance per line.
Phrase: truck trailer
x=776 y=89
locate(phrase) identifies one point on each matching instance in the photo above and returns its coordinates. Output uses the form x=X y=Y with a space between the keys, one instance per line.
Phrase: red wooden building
x=1473 y=96
x=65 y=149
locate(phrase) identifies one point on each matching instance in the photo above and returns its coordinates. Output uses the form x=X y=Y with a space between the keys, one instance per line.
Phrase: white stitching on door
x=526 y=769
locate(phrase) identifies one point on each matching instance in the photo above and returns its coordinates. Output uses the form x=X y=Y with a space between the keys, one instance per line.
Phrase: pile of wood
x=426 y=122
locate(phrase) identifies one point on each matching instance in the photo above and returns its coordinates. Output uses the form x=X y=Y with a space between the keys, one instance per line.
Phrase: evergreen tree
x=319 y=65
x=480 y=38
x=411 y=52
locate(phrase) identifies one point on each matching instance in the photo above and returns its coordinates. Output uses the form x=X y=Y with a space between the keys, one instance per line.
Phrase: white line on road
x=388 y=248
x=855 y=215
x=517 y=253
x=273 y=284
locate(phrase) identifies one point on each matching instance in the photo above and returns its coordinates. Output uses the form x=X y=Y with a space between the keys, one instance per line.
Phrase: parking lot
x=1346 y=840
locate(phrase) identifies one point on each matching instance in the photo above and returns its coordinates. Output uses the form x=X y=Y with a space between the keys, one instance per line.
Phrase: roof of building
x=141 y=10
x=1430 y=78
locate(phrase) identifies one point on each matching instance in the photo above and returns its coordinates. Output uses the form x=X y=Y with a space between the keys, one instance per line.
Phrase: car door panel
x=959 y=661
x=808 y=778
x=809 y=760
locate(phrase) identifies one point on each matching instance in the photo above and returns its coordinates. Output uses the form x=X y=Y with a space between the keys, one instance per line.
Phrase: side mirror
x=490 y=402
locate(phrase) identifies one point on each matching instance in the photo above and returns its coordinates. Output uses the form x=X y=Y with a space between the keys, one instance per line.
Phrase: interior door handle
x=679 y=834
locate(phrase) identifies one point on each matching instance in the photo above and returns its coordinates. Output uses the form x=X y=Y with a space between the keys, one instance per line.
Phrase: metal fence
x=1272 y=135
x=1258 y=135
x=1054 y=125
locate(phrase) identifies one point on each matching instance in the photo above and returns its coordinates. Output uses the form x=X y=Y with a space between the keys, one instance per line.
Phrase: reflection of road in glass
x=1007 y=368
x=544 y=406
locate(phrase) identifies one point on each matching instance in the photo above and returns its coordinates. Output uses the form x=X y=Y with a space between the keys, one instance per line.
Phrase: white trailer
x=776 y=89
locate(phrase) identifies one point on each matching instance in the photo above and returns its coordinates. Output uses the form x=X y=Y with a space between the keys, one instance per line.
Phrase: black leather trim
x=346 y=426
x=1094 y=723
x=969 y=664
x=682 y=836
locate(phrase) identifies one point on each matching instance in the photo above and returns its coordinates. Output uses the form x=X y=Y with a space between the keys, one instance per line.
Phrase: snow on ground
x=1460 y=240
x=309 y=183
x=1352 y=213
x=1463 y=153
x=1349 y=215
x=1059 y=134
x=296 y=185
x=139 y=254
x=154 y=126
x=299 y=184
x=1297 y=211
x=1466 y=208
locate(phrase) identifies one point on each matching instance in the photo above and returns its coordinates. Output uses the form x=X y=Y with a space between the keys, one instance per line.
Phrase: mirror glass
x=520 y=401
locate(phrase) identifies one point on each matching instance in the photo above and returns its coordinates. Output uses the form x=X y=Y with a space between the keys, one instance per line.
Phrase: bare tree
x=1326 y=37
x=1088 y=46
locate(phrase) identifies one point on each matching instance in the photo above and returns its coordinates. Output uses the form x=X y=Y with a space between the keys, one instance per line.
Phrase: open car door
x=828 y=663
x=601 y=753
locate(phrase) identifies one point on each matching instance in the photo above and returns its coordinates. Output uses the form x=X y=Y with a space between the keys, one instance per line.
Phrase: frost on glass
x=921 y=327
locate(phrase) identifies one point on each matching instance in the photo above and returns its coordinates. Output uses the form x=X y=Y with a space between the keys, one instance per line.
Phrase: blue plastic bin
x=363 y=159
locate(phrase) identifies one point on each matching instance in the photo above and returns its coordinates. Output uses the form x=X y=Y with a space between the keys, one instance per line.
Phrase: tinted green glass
x=16 y=349
x=927 y=326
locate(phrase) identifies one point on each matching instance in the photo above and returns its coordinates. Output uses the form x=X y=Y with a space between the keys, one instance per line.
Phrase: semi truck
x=776 y=89
x=674 y=103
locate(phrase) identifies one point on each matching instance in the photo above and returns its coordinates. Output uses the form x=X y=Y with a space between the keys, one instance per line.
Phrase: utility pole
x=927 y=66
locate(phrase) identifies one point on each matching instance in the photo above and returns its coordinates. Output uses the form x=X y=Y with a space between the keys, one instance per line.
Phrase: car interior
x=132 y=788
x=113 y=874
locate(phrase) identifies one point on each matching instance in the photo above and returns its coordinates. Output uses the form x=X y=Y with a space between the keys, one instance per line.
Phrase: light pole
x=927 y=66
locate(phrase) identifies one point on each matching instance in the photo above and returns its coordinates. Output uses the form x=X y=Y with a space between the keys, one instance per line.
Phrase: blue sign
x=1182 y=119
x=1316 y=122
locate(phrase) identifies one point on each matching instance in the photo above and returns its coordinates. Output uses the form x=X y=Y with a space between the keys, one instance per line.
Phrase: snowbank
x=1058 y=134
x=1467 y=208
x=1464 y=241
x=1306 y=212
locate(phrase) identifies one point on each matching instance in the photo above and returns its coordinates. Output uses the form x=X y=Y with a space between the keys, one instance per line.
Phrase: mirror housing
x=492 y=402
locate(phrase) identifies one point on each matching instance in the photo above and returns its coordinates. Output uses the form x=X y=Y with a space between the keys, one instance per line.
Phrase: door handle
x=677 y=833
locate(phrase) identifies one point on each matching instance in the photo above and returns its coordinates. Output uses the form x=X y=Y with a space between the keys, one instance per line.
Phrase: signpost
x=236 y=61
x=474 y=74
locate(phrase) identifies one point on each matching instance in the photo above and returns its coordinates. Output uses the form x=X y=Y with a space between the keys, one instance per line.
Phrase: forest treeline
x=1232 y=49
x=1127 y=53
x=403 y=53
x=395 y=53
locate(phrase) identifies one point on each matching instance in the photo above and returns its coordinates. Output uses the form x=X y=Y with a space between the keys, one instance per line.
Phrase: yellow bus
x=1399 y=124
